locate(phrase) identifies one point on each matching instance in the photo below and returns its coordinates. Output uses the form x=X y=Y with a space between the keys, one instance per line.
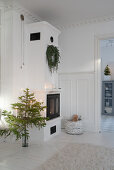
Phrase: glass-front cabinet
x=108 y=98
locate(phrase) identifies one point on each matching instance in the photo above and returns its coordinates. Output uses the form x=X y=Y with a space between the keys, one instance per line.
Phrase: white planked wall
x=77 y=97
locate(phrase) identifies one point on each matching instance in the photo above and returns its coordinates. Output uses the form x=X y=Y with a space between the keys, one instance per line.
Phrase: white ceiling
x=65 y=12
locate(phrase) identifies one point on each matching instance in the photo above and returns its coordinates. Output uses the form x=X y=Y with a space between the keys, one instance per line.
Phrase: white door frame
x=97 y=83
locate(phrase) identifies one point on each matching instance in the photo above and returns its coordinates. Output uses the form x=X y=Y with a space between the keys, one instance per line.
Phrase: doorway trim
x=97 y=78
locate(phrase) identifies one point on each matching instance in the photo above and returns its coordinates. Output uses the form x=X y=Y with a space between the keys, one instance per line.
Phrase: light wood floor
x=14 y=157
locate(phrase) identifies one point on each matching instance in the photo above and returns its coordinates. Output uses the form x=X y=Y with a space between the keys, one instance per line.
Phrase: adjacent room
x=56 y=85
x=107 y=78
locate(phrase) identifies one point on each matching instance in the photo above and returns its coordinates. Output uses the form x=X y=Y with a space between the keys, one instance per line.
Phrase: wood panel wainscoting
x=77 y=97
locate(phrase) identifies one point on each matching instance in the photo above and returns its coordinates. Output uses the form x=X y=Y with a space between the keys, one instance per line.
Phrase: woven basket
x=74 y=128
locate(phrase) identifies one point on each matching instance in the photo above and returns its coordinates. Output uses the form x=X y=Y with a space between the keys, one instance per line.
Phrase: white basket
x=74 y=128
x=107 y=78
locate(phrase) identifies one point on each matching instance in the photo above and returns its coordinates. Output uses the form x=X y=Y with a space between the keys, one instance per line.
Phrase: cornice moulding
x=88 y=22
x=8 y=5
x=76 y=73
x=15 y=6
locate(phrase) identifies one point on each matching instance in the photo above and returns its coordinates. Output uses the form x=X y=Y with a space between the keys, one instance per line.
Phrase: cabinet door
x=108 y=94
x=103 y=98
x=113 y=98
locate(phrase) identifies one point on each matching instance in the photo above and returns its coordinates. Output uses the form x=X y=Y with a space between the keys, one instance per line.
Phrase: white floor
x=14 y=157
x=107 y=123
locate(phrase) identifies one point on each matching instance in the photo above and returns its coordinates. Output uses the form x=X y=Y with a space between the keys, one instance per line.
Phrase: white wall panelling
x=78 y=97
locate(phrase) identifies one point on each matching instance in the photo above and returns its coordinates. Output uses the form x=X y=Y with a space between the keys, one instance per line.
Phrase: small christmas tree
x=107 y=71
x=27 y=115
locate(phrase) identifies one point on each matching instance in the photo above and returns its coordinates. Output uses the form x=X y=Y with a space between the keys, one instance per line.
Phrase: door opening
x=107 y=85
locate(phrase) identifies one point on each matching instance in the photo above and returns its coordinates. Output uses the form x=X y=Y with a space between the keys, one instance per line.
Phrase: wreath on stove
x=53 y=57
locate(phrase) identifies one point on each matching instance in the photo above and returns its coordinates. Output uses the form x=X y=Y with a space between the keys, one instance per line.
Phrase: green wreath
x=53 y=57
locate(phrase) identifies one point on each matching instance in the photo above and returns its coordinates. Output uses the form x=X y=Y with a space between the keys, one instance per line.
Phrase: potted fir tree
x=28 y=114
x=107 y=73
